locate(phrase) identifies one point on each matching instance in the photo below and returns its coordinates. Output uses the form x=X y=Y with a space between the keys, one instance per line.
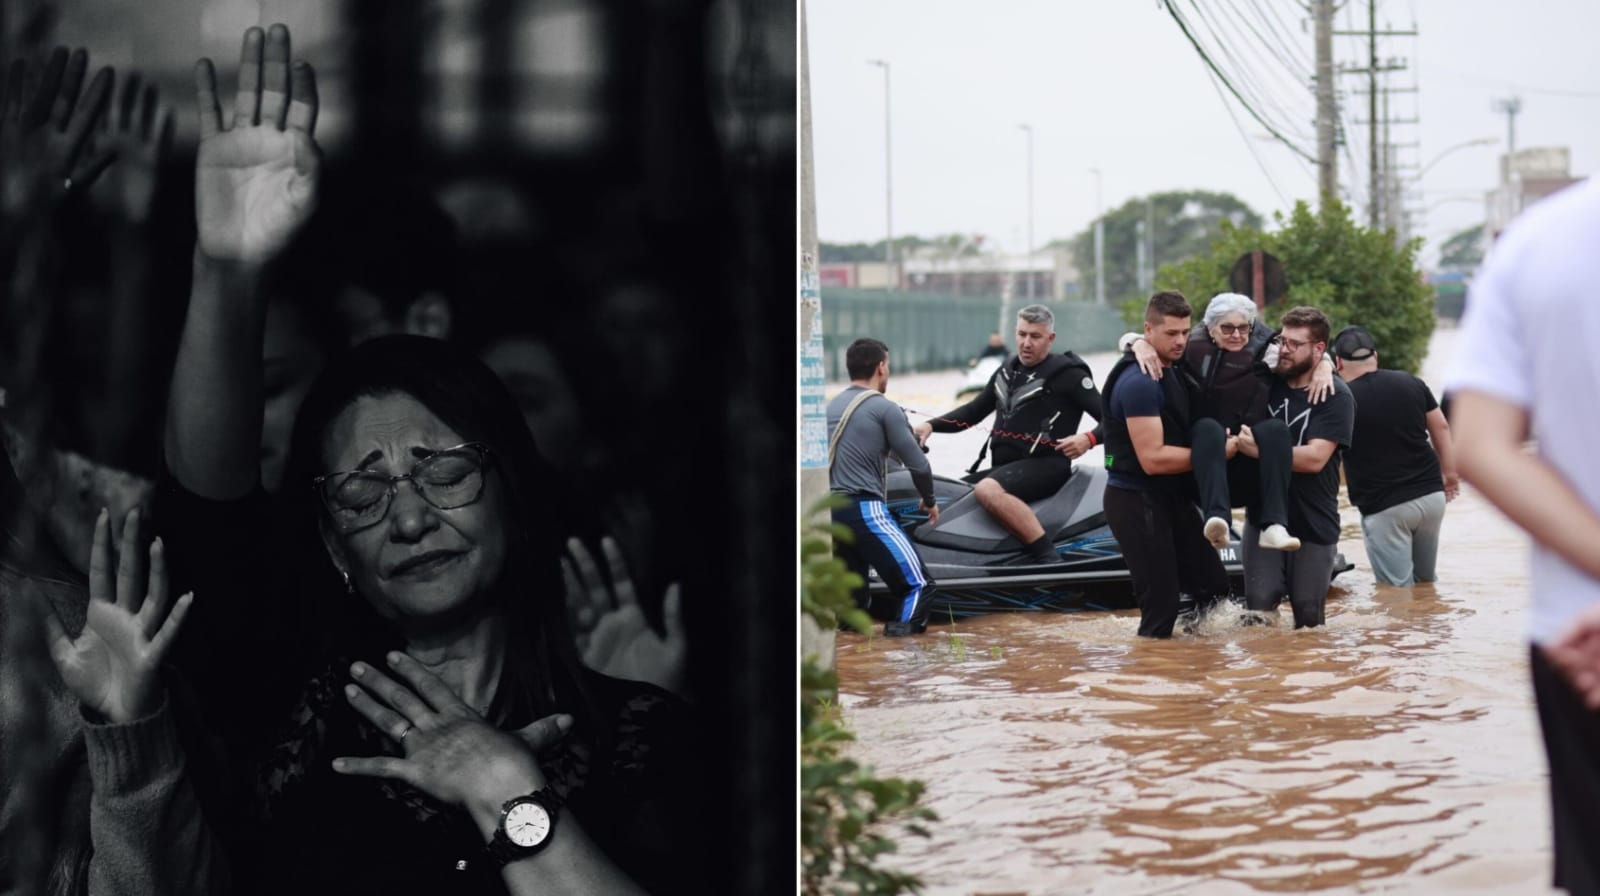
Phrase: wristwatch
x=526 y=824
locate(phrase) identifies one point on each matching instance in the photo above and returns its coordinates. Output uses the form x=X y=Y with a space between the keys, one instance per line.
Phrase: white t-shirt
x=1531 y=336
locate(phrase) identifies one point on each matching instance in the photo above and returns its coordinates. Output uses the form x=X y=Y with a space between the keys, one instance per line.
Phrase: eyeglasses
x=1293 y=345
x=1233 y=329
x=446 y=479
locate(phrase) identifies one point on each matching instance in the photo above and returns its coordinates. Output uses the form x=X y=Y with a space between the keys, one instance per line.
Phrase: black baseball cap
x=1354 y=344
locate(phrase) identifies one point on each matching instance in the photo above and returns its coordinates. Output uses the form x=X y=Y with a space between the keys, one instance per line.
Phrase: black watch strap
x=501 y=849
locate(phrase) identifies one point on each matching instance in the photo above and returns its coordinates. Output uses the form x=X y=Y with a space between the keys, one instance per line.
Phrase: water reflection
x=1392 y=750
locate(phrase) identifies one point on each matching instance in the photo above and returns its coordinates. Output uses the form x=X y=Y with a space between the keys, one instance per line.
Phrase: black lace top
x=322 y=832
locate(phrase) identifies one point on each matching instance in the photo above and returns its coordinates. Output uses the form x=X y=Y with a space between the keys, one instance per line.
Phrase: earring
x=348 y=588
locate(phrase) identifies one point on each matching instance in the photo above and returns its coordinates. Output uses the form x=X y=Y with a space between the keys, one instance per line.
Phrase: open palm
x=614 y=636
x=113 y=665
x=139 y=131
x=44 y=131
x=256 y=179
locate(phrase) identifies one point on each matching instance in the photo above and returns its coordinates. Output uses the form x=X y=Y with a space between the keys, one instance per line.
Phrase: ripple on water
x=1393 y=749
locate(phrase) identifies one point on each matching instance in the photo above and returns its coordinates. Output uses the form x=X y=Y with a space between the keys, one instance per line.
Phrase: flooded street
x=1394 y=750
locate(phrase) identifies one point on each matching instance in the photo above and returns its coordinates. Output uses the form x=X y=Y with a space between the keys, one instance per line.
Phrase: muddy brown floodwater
x=1394 y=750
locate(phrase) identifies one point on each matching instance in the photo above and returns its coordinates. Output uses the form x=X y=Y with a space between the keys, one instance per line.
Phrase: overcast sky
x=1115 y=85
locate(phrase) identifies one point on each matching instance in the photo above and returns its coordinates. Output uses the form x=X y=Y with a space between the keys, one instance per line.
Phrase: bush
x=843 y=807
x=1353 y=274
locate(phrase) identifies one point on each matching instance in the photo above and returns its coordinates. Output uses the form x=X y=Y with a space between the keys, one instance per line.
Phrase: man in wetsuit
x=865 y=428
x=1038 y=400
x=1150 y=496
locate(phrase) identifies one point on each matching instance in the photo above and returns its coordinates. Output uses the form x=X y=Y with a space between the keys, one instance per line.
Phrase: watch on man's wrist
x=526 y=826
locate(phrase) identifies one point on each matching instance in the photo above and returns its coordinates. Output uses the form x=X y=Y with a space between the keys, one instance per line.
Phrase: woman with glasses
x=452 y=741
x=446 y=738
x=382 y=646
x=1226 y=359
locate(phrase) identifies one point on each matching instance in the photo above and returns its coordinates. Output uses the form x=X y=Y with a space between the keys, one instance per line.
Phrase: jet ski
x=980 y=568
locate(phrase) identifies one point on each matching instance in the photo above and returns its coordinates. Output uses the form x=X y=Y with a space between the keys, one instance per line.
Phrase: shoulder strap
x=833 y=440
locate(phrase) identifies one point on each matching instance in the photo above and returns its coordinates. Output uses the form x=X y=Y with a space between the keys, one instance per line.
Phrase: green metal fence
x=932 y=331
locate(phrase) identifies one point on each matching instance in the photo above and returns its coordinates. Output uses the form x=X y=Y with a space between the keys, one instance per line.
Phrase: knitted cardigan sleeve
x=150 y=837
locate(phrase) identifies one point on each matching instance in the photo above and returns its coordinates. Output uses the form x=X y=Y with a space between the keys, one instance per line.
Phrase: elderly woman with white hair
x=1228 y=356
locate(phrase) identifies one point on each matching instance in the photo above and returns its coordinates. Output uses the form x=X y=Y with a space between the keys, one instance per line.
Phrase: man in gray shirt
x=865 y=428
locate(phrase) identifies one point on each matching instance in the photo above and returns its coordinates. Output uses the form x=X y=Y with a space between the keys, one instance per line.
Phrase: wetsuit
x=1154 y=517
x=877 y=428
x=1033 y=406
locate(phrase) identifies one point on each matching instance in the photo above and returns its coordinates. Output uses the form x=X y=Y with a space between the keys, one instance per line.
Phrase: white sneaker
x=1277 y=538
x=1217 y=532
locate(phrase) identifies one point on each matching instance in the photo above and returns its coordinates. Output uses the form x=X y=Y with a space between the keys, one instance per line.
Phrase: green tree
x=1464 y=249
x=1185 y=225
x=1353 y=274
x=947 y=245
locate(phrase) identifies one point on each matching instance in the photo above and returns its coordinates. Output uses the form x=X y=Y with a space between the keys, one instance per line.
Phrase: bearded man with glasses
x=1319 y=434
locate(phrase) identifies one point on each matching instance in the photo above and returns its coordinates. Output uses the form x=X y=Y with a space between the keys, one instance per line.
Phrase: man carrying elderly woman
x=1229 y=355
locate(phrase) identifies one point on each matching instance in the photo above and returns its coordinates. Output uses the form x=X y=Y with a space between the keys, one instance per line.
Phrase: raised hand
x=113 y=665
x=44 y=131
x=139 y=131
x=256 y=177
x=614 y=637
x=451 y=753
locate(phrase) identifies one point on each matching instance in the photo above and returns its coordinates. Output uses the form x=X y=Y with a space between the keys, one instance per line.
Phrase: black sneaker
x=903 y=629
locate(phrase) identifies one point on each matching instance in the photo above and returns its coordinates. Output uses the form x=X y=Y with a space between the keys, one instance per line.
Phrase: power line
x=1281 y=30
x=1275 y=43
x=1259 y=85
x=1249 y=142
x=1217 y=73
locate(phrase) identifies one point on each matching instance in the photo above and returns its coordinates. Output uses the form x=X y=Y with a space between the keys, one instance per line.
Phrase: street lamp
x=1028 y=129
x=1099 y=241
x=888 y=183
x=1481 y=141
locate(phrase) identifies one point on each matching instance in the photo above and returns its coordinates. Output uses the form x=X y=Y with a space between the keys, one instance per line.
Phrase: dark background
x=622 y=175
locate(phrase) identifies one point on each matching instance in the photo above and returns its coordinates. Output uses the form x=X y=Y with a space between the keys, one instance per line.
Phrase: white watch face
x=527 y=824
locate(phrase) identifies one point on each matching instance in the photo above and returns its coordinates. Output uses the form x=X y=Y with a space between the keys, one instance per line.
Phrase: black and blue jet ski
x=980 y=568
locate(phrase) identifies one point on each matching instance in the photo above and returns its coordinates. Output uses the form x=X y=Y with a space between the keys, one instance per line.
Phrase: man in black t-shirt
x=1318 y=433
x=1150 y=495
x=1401 y=464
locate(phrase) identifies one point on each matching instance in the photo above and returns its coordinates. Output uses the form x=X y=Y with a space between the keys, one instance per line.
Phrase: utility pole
x=1372 y=110
x=1386 y=183
x=1375 y=176
x=1138 y=246
x=1150 y=245
x=1327 y=112
x=1099 y=241
x=1510 y=106
x=1028 y=129
x=813 y=396
x=888 y=184
x=813 y=378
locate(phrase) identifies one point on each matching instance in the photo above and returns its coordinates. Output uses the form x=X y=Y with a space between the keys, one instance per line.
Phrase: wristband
x=1092 y=441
